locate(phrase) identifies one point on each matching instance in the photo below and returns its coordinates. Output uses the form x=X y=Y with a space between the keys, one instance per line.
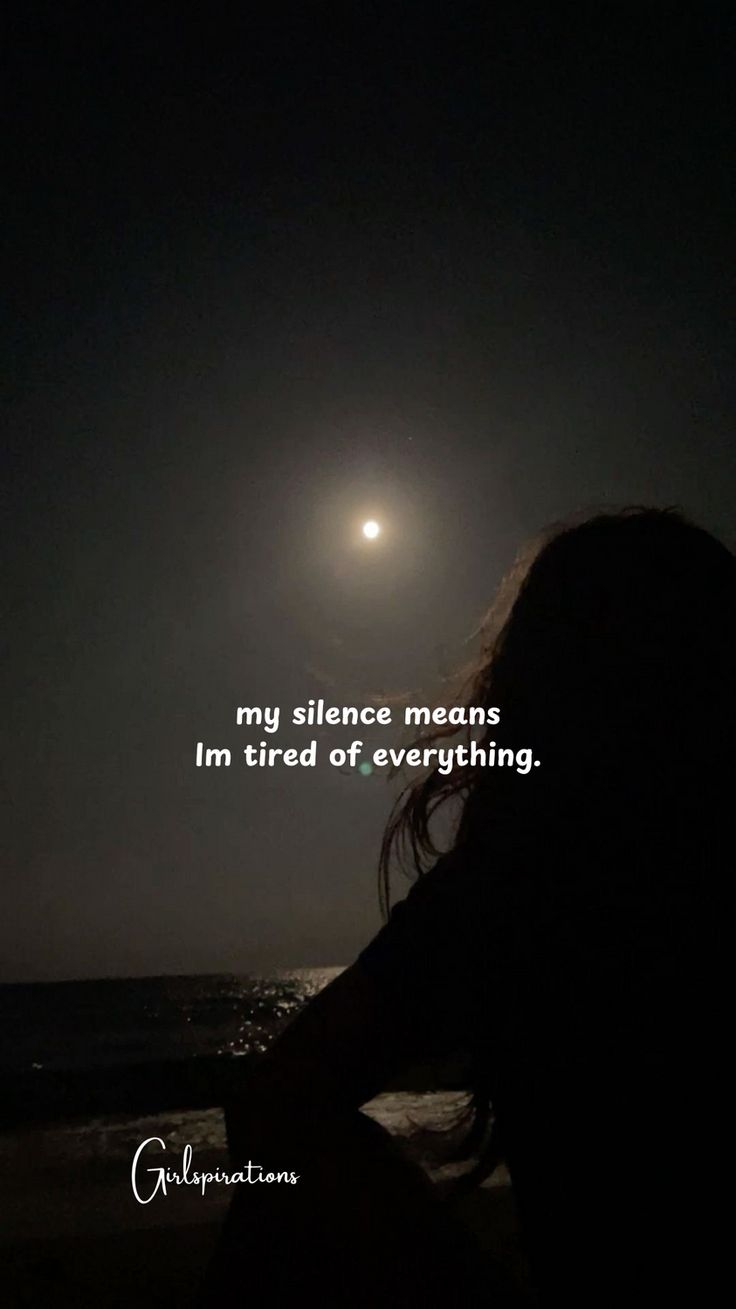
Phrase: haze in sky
x=309 y=325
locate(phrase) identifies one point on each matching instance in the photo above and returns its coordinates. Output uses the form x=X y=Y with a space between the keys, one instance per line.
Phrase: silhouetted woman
x=572 y=941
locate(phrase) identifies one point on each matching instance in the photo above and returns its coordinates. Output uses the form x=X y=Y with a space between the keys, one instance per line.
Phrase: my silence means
x=317 y=714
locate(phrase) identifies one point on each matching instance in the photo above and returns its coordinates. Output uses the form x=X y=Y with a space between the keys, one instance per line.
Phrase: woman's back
x=593 y=997
x=607 y=1066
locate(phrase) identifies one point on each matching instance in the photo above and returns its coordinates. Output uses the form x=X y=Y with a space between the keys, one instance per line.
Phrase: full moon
x=371 y=529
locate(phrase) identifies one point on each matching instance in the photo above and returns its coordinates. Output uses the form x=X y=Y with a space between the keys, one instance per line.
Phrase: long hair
x=611 y=651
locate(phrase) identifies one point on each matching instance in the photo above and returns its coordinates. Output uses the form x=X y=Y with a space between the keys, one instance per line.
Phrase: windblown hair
x=611 y=649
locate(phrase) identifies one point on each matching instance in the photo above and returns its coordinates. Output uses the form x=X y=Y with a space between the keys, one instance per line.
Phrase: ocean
x=119 y=1021
x=90 y=1065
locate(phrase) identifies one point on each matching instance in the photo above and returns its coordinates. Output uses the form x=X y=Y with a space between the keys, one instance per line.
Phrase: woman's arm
x=339 y=1051
x=301 y=1101
x=407 y=996
x=362 y=1225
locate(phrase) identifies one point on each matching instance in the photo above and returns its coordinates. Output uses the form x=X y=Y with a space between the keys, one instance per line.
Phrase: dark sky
x=463 y=268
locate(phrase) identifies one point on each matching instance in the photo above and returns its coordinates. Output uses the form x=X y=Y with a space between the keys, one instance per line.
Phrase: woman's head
x=611 y=651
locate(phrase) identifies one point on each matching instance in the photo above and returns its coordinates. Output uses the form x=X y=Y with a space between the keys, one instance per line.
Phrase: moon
x=371 y=529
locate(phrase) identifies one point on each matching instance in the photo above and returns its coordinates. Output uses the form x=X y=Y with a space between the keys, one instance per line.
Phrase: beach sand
x=74 y=1235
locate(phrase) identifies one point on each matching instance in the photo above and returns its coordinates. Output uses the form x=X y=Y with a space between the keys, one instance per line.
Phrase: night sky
x=263 y=278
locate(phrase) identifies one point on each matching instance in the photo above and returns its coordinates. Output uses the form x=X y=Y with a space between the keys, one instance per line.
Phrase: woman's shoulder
x=442 y=930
